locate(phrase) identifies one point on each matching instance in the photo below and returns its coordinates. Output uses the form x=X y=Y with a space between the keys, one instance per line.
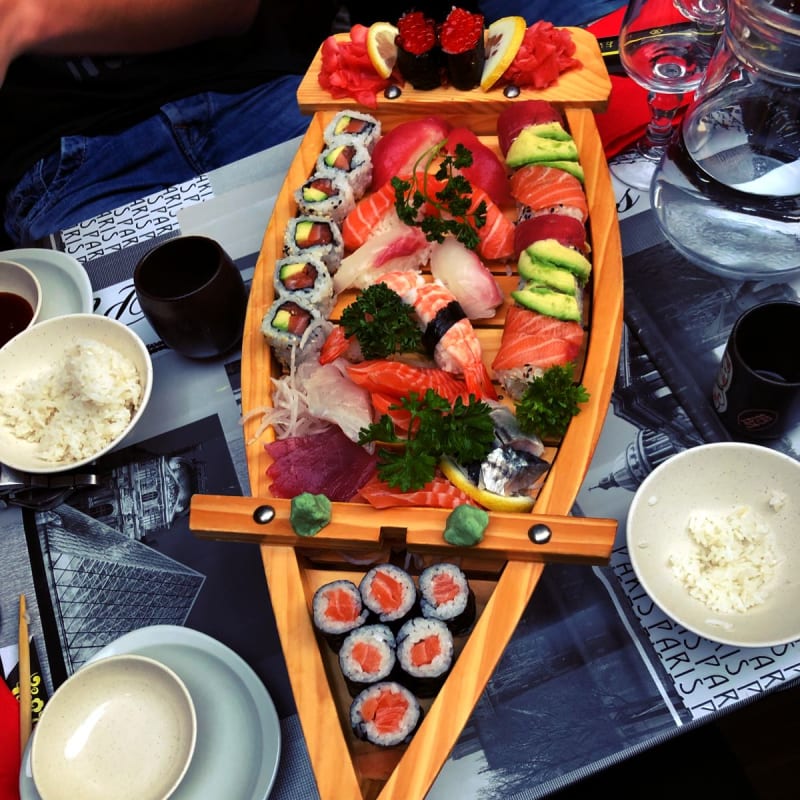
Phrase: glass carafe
x=727 y=192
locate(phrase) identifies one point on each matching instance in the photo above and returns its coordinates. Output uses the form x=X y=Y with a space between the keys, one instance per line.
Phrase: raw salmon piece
x=387 y=591
x=367 y=215
x=385 y=710
x=550 y=189
x=367 y=655
x=439 y=493
x=425 y=651
x=341 y=606
x=397 y=379
x=444 y=589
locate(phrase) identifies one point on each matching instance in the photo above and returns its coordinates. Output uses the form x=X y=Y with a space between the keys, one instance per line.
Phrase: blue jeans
x=90 y=175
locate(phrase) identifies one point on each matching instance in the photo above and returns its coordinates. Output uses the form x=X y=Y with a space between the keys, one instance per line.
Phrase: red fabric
x=9 y=744
x=627 y=115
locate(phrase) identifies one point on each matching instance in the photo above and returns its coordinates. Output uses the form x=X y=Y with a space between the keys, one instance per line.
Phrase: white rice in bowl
x=74 y=409
x=732 y=562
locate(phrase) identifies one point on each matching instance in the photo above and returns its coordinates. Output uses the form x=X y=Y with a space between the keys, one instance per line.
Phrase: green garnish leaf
x=550 y=402
x=450 y=205
x=464 y=431
x=382 y=323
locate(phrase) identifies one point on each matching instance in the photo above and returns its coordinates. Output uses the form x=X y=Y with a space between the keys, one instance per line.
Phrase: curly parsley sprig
x=452 y=203
x=550 y=402
x=464 y=431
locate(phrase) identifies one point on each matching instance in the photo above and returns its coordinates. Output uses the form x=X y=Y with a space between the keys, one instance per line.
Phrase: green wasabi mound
x=465 y=526
x=310 y=513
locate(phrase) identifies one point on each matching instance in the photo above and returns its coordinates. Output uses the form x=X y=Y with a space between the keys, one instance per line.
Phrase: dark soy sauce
x=15 y=315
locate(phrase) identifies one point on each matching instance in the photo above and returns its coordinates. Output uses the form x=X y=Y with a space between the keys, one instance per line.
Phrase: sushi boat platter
x=363 y=551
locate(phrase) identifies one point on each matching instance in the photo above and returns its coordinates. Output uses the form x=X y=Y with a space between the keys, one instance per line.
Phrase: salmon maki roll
x=385 y=714
x=548 y=190
x=337 y=609
x=425 y=654
x=389 y=593
x=445 y=594
x=367 y=656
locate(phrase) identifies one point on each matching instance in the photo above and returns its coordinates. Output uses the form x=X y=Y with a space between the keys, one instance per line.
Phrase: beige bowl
x=716 y=478
x=44 y=350
x=123 y=727
x=17 y=279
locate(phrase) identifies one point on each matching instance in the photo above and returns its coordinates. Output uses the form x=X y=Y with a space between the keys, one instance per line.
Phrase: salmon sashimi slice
x=386 y=710
x=530 y=338
x=425 y=651
x=368 y=214
x=387 y=592
x=398 y=379
x=367 y=656
x=439 y=493
x=549 y=190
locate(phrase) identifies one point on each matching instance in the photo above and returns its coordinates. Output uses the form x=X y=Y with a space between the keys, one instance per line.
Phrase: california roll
x=353 y=127
x=305 y=277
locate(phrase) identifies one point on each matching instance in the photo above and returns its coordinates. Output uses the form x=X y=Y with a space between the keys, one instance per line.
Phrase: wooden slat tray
x=504 y=570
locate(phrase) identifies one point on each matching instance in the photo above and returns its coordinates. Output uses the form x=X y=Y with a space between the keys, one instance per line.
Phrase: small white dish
x=37 y=350
x=66 y=288
x=716 y=478
x=20 y=299
x=122 y=727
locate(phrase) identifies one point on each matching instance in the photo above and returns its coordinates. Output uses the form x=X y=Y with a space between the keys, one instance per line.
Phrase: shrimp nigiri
x=447 y=332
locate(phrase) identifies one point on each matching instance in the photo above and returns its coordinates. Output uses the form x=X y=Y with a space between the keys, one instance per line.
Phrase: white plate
x=238 y=732
x=121 y=727
x=66 y=288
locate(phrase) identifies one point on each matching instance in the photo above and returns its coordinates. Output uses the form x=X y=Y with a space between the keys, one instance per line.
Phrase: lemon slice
x=503 y=40
x=381 y=47
x=494 y=502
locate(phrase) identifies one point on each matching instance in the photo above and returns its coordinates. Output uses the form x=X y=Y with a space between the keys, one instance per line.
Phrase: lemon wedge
x=490 y=500
x=503 y=40
x=381 y=47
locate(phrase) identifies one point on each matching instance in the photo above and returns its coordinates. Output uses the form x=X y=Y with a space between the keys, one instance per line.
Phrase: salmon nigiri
x=549 y=190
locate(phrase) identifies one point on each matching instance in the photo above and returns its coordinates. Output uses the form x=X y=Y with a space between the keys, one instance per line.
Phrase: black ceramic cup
x=193 y=295
x=758 y=381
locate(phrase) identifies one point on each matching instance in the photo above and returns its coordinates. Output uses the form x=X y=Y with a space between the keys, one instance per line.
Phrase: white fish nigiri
x=467 y=277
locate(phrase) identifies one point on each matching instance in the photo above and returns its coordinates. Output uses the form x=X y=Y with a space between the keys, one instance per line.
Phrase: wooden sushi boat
x=505 y=567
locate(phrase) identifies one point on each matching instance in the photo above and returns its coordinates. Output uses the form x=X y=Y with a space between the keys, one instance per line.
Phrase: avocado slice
x=550 y=130
x=528 y=148
x=313 y=195
x=546 y=301
x=573 y=167
x=551 y=251
x=302 y=232
x=281 y=320
x=541 y=273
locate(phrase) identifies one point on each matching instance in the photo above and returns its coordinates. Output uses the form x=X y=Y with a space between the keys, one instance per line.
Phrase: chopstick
x=24 y=676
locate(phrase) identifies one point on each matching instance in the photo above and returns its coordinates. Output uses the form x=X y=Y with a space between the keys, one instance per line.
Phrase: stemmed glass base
x=636 y=166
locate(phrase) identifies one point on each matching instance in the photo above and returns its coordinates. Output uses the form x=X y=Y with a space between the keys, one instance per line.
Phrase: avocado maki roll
x=385 y=714
x=305 y=277
x=295 y=330
x=367 y=655
x=326 y=195
x=425 y=653
x=353 y=126
x=315 y=236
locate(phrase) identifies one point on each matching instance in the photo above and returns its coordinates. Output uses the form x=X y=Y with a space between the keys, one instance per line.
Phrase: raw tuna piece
x=487 y=171
x=566 y=229
x=325 y=463
x=516 y=116
x=398 y=150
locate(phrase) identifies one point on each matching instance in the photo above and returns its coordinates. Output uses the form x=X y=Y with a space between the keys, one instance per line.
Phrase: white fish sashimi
x=399 y=247
x=352 y=408
x=467 y=277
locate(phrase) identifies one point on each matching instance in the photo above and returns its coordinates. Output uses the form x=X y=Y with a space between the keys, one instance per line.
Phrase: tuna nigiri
x=548 y=190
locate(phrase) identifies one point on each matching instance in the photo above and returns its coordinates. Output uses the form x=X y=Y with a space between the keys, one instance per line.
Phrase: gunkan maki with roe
x=419 y=57
x=462 y=42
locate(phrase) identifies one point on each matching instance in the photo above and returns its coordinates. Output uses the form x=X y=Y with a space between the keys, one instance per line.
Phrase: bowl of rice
x=713 y=535
x=71 y=389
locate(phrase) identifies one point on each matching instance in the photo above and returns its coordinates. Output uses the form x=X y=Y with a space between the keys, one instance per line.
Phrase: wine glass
x=665 y=46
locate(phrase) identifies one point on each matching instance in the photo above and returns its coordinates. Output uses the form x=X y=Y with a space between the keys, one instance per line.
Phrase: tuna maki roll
x=419 y=58
x=325 y=195
x=313 y=235
x=337 y=610
x=353 y=126
x=367 y=655
x=462 y=42
x=307 y=278
x=350 y=159
x=385 y=714
x=424 y=654
x=389 y=593
x=295 y=330
x=445 y=594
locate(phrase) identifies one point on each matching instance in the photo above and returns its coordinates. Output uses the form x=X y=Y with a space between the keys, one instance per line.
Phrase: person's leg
x=189 y=137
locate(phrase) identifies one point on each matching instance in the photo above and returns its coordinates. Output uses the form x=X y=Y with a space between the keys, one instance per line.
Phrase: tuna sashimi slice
x=324 y=463
x=568 y=230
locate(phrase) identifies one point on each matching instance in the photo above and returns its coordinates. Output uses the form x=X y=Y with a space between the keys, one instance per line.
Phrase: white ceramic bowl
x=716 y=478
x=44 y=347
x=17 y=279
x=122 y=727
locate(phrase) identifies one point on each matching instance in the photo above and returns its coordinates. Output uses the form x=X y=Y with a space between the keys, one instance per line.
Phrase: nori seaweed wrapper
x=419 y=57
x=462 y=42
